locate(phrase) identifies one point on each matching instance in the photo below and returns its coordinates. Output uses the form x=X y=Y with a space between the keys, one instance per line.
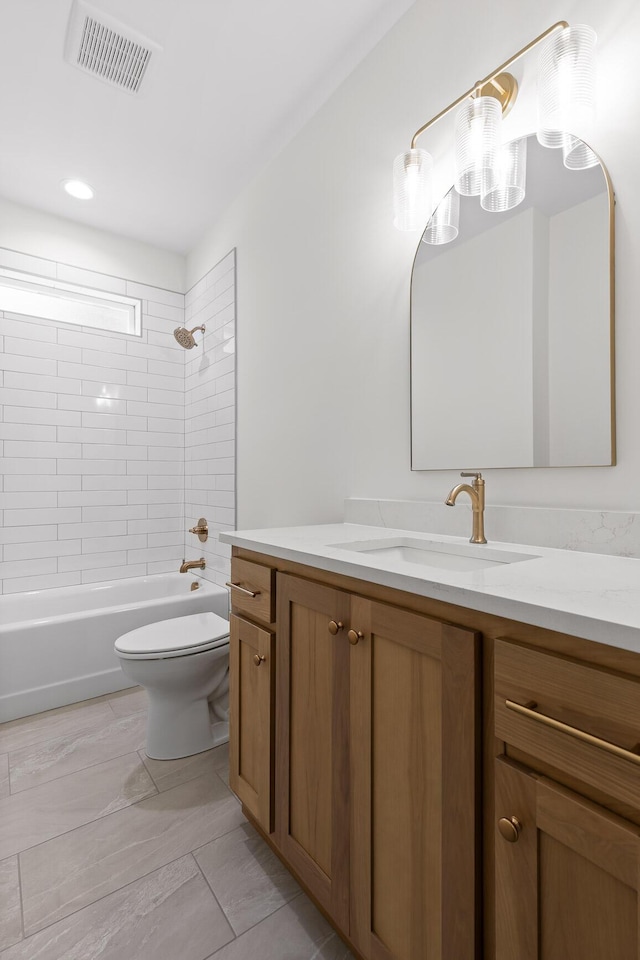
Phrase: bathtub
x=56 y=646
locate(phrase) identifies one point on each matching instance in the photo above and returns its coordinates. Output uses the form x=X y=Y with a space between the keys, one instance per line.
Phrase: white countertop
x=584 y=594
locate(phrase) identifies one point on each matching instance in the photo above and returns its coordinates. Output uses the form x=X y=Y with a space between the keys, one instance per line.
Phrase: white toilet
x=184 y=666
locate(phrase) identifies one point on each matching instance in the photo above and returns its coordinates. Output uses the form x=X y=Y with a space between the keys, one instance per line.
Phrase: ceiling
x=236 y=79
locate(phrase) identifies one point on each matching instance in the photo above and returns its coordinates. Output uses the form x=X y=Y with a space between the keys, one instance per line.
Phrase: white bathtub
x=56 y=646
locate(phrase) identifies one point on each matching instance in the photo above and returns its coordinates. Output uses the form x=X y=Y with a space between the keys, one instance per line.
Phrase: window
x=68 y=303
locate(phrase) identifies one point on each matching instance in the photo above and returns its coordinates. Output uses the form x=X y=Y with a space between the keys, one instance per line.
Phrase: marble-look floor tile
x=296 y=932
x=166 y=915
x=247 y=878
x=57 y=758
x=170 y=773
x=70 y=872
x=129 y=703
x=37 y=815
x=74 y=718
x=4 y=775
x=10 y=911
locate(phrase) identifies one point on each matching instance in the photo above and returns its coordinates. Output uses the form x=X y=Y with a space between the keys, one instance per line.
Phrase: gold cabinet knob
x=257 y=659
x=335 y=626
x=509 y=828
x=354 y=636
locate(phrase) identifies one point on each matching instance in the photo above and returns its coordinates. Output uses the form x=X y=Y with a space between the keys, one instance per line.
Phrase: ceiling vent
x=108 y=49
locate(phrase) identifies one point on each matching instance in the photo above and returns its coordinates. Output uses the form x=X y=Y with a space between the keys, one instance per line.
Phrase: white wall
x=323 y=277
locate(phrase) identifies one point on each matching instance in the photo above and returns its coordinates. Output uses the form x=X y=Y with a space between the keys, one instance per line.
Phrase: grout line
x=264 y=919
x=224 y=912
x=20 y=894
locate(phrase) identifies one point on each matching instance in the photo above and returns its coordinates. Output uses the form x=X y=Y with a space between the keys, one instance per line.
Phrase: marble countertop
x=583 y=594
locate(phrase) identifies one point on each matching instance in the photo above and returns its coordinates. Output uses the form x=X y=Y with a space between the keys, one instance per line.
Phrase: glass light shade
x=576 y=155
x=477 y=142
x=566 y=84
x=444 y=224
x=503 y=187
x=412 y=189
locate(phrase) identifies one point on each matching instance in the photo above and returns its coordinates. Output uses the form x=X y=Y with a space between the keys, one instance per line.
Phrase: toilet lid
x=174 y=638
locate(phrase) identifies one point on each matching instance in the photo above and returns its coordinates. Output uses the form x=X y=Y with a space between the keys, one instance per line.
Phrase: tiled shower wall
x=210 y=415
x=92 y=426
x=92 y=436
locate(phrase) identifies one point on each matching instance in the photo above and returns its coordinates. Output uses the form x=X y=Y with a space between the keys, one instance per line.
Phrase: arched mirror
x=512 y=329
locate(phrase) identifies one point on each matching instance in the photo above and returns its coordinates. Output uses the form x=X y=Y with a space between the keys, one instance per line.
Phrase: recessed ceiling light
x=78 y=189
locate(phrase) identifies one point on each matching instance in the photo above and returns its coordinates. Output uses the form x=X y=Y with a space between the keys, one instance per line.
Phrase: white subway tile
x=46 y=350
x=161 y=425
x=164 y=410
x=122 y=512
x=97 y=405
x=153 y=439
x=108 y=451
x=31 y=517
x=154 y=554
x=50 y=548
x=114 y=483
x=113 y=421
x=151 y=526
x=166 y=453
x=163 y=566
x=92 y=561
x=171 y=313
x=92 y=498
x=101 y=358
x=26 y=398
x=163 y=482
x=26 y=431
x=93 y=341
x=167 y=352
x=45 y=582
x=113 y=573
x=29 y=331
x=28 y=534
x=63 y=418
x=91 y=435
x=28 y=364
x=172 y=495
x=11 y=465
x=115 y=391
x=158 y=467
x=174 y=539
x=171 y=397
x=105 y=544
x=162 y=368
x=90 y=466
x=106 y=528
x=156 y=511
x=19 y=500
x=85 y=371
x=40 y=482
x=25 y=568
x=26 y=448
x=41 y=383
x=25 y=262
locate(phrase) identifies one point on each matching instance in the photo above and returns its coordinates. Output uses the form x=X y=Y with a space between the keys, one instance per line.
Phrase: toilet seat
x=179 y=637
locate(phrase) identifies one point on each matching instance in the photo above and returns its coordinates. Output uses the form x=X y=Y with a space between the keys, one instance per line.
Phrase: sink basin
x=434 y=553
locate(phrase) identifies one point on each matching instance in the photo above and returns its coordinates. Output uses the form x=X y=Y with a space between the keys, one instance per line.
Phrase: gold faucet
x=187 y=565
x=476 y=492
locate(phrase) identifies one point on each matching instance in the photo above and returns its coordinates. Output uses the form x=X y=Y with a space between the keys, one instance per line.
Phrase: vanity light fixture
x=78 y=189
x=485 y=167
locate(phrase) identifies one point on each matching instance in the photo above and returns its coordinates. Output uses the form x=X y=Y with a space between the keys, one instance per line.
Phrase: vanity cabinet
x=567 y=850
x=376 y=765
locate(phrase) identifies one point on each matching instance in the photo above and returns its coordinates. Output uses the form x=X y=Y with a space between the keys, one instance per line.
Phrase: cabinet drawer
x=253 y=590
x=581 y=719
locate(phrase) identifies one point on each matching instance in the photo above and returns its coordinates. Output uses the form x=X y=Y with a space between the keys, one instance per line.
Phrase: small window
x=69 y=303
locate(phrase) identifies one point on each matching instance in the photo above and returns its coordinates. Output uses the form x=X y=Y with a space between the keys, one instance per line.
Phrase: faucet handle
x=472 y=473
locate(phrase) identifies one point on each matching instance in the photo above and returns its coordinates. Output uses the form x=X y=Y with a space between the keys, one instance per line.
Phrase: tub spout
x=187 y=565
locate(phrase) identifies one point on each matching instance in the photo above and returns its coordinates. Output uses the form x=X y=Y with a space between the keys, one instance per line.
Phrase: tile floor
x=107 y=855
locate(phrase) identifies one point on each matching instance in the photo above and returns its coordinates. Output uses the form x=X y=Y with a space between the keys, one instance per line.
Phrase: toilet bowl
x=184 y=666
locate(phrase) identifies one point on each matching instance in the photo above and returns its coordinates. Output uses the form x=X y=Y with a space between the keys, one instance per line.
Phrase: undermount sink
x=434 y=553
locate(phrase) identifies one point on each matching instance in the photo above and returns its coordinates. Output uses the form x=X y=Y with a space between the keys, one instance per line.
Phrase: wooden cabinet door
x=251 y=720
x=414 y=786
x=312 y=748
x=567 y=888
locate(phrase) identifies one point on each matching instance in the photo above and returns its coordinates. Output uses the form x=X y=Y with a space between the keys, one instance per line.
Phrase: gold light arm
x=560 y=25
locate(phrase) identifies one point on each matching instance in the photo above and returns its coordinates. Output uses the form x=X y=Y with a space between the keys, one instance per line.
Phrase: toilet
x=184 y=666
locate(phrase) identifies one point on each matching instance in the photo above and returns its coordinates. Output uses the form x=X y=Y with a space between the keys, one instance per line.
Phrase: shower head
x=185 y=337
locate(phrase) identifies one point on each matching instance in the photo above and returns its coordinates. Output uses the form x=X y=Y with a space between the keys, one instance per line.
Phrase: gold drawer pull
x=510 y=828
x=573 y=731
x=335 y=626
x=258 y=659
x=249 y=593
x=354 y=636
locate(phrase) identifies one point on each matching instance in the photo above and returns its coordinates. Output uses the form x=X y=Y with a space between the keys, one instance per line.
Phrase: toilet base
x=177 y=729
